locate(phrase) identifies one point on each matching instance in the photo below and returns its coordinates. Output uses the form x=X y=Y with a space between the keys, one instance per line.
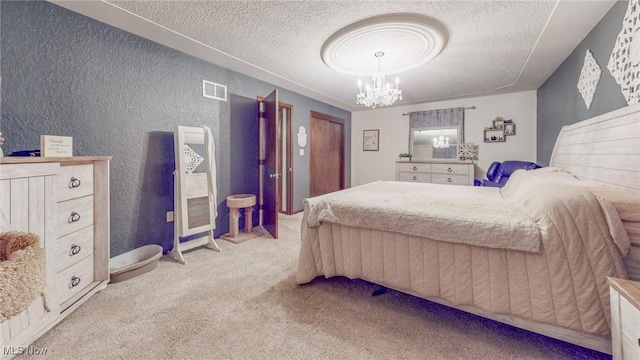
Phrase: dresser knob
x=449 y=170
x=75 y=249
x=74 y=183
x=449 y=180
x=75 y=217
x=415 y=168
x=415 y=178
x=74 y=282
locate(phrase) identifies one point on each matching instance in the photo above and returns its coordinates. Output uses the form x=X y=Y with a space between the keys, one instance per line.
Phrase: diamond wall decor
x=192 y=159
x=589 y=78
x=624 y=63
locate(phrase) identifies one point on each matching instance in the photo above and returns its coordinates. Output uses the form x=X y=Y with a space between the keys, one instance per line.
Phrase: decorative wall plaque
x=192 y=159
x=302 y=137
x=624 y=63
x=589 y=78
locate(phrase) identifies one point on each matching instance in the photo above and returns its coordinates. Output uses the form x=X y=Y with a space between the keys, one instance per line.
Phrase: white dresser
x=437 y=172
x=625 y=318
x=65 y=201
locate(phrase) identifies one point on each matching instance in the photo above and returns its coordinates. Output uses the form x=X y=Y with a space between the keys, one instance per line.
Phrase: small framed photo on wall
x=509 y=129
x=498 y=123
x=371 y=140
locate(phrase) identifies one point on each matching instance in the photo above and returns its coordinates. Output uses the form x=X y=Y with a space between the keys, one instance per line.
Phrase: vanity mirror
x=435 y=134
x=433 y=143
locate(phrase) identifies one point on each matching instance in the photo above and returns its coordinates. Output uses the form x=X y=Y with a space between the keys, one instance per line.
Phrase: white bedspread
x=457 y=214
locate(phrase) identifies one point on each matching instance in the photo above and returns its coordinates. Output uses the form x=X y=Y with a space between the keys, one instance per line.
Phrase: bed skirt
x=492 y=283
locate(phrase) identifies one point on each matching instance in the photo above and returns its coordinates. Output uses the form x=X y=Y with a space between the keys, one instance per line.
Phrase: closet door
x=326 y=173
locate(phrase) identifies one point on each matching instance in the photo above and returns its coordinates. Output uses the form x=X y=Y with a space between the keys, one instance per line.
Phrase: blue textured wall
x=121 y=95
x=560 y=102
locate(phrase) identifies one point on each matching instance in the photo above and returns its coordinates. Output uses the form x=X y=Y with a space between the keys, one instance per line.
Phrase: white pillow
x=616 y=229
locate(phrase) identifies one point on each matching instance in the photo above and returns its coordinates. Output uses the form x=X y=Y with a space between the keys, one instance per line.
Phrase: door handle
x=275 y=176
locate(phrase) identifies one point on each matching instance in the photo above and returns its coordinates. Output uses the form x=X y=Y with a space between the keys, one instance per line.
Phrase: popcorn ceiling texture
x=120 y=95
x=493 y=38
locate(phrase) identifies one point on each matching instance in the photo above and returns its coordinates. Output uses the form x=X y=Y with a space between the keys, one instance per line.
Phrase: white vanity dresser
x=65 y=201
x=448 y=172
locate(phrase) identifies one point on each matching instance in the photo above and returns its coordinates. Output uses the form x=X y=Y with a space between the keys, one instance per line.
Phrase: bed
x=534 y=254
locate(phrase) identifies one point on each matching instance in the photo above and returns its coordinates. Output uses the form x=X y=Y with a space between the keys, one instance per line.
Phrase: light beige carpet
x=243 y=303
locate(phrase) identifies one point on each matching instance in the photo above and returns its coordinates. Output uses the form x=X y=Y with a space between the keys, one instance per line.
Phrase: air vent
x=214 y=91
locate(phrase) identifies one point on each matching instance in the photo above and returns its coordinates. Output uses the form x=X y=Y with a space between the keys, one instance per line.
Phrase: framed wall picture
x=509 y=129
x=371 y=140
x=494 y=135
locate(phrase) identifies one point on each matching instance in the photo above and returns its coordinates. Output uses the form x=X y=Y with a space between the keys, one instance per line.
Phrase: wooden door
x=285 y=125
x=326 y=154
x=270 y=157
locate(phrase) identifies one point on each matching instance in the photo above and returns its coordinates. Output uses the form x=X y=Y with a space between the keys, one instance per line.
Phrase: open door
x=270 y=159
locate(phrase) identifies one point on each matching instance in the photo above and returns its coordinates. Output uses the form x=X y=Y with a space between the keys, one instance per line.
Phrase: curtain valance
x=453 y=117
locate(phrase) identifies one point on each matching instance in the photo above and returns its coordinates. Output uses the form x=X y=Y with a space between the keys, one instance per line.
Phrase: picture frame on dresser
x=371 y=140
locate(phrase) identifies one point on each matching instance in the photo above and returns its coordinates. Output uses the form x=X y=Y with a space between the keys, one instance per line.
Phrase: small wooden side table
x=625 y=318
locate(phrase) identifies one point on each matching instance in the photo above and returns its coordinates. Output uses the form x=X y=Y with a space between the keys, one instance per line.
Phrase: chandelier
x=380 y=93
x=440 y=142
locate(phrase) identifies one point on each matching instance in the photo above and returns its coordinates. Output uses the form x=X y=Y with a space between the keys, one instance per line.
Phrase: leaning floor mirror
x=194 y=189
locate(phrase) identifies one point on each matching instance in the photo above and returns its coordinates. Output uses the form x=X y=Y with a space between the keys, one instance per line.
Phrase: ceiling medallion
x=408 y=40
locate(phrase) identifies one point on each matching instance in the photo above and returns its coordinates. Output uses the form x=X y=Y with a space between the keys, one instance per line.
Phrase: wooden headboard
x=605 y=148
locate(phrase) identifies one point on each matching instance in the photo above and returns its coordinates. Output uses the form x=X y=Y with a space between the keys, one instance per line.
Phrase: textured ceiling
x=489 y=46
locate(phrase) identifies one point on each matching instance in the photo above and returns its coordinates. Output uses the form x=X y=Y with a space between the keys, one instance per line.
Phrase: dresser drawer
x=414 y=177
x=71 y=248
x=630 y=325
x=414 y=167
x=74 y=181
x=453 y=169
x=74 y=215
x=450 y=179
x=73 y=279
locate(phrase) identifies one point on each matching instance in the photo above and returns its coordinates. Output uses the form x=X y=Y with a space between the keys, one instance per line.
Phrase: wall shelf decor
x=494 y=135
x=509 y=129
x=499 y=130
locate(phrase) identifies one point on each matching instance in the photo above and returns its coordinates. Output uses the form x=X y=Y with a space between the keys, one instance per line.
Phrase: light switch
x=301 y=152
